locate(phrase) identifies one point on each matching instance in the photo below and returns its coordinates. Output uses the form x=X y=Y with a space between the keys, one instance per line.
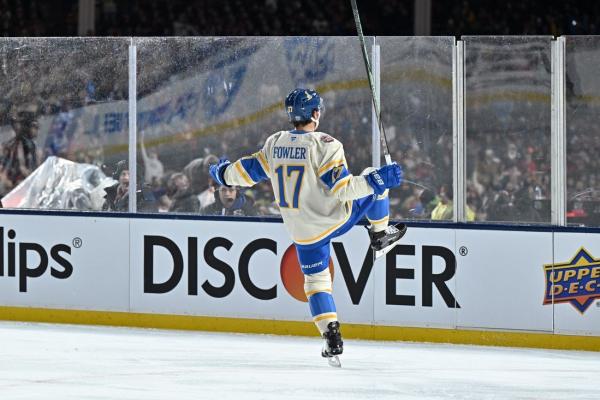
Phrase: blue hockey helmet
x=300 y=104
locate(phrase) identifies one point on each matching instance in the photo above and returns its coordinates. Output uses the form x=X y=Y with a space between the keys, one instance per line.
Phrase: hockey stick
x=382 y=137
x=361 y=38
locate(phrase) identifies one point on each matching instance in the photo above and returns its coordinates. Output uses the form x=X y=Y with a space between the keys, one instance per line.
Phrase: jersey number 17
x=289 y=176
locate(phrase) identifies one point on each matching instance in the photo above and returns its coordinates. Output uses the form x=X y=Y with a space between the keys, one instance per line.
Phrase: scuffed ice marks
x=74 y=362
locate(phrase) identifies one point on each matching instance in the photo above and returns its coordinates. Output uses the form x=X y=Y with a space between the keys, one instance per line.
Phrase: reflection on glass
x=582 y=117
x=200 y=99
x=60 y=121
x=508 y=117
x=416 y=98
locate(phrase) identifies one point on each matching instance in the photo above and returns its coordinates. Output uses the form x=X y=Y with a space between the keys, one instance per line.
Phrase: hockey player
x=319 y=199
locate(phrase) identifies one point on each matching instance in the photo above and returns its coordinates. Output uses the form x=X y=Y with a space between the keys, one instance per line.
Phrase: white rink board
x=232 y=299
x=263 y=269
x=400 y=298
x=567 y=318
x=501 y=281
x=357 y=307
x=99 y=252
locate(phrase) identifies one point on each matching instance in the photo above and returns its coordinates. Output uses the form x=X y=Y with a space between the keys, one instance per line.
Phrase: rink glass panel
x=582 y=101
x=416 y=102
x=508 y=128
x=200 y=99
x=63 y=101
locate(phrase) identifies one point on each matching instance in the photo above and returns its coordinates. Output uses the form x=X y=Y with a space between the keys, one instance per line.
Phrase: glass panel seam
x=132 y=102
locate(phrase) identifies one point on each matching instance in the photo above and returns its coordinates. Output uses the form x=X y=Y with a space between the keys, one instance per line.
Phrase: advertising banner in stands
x=64 y=262
x=216 y=95
x=214 y=98
x=582 y=55
x=575 y=277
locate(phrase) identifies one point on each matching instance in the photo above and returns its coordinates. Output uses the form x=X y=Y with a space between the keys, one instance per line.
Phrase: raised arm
x=247 y=171
x=333 y=172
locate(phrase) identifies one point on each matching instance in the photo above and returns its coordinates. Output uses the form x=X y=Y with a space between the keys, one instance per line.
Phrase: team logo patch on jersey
x=326 y=138
x=336 y=173
x=576 y=281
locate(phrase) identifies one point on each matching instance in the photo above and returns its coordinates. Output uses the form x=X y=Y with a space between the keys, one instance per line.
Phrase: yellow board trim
x=350 y=331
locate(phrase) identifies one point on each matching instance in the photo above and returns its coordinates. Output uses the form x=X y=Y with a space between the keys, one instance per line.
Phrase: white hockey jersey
x=310 y=180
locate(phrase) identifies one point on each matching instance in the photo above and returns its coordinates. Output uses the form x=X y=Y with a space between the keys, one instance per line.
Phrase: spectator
x=201 y=184
x=501 y=208
x=230 y=201
x=5 y=184
x=117 y=195
x=19 y=156
x=183 y=200
x=153 y=167
x=444 y=210
x=526 y=205
x=429 y=202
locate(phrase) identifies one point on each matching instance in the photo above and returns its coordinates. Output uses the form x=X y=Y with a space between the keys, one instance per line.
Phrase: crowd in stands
x=508 y=172
x=38 y=18
x=488 y=17
x=248 y=18
x=295 y=17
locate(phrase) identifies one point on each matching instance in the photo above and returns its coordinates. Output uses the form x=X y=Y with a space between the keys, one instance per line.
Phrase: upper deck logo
x=576 y=281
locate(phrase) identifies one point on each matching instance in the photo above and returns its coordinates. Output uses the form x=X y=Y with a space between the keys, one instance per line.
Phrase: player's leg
x=314 y=262
x=377 y=210
x=378 y=213
x=383 y=237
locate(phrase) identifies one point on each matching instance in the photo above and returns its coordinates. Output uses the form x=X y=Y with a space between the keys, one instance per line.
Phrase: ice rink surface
x=43 y=361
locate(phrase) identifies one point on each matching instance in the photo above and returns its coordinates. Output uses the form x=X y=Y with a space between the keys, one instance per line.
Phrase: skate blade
x=334 y=361
x=380 y=253
x=385 y=250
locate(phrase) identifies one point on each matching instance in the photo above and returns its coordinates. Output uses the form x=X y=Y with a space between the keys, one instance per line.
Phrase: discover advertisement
x=443 y=278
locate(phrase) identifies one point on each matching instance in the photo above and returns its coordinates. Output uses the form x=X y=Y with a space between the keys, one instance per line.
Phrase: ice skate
x=334 y=345
x=384 y=241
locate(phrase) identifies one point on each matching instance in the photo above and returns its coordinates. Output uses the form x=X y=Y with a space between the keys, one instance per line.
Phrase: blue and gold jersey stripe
x=252 y=169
